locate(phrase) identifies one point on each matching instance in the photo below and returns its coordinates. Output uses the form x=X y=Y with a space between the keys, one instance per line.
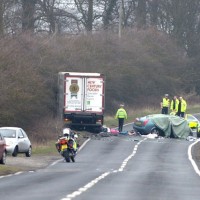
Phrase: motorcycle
x=66 y=148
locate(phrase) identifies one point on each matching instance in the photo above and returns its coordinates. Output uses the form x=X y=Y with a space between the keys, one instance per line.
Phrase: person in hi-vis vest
x=121 y=115
x=174 y=105
x=164 y=104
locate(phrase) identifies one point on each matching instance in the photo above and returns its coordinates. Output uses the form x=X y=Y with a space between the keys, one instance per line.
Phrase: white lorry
x=81 y=99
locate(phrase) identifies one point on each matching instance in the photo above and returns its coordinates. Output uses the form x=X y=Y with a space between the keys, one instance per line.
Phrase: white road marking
x=196 y=169
x=95 y=181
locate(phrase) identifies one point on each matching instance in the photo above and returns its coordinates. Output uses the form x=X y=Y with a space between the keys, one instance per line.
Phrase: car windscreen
x=7 y=133
x=191 y=118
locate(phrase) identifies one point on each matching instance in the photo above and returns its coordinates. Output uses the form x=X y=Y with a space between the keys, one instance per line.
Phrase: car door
x=24 y=143
x=21 y=141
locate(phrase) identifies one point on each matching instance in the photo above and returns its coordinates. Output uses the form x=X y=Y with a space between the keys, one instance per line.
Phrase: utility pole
x=120 y=19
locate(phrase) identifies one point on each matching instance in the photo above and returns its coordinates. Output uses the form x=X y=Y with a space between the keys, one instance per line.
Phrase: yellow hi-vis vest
x=183 y=105
x=165 y=102
x=121 y=113
x=176 y=105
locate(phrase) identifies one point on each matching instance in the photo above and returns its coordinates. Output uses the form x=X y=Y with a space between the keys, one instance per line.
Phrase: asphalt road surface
x=112 y=168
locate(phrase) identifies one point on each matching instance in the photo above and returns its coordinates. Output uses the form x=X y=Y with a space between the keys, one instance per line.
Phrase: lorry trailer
x=81 y=99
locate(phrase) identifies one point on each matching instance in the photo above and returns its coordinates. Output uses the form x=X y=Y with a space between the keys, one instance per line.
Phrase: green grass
x=44 y=149
x=193 y=109
x=110 y=121
x=5 y=169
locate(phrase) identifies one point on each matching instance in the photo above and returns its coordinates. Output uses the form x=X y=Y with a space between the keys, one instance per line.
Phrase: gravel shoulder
x=31 y=163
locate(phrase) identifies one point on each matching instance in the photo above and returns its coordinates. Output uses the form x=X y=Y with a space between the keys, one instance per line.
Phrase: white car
x=17 y=141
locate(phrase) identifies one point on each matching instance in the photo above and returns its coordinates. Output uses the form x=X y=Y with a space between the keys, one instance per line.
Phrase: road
x=110 y=168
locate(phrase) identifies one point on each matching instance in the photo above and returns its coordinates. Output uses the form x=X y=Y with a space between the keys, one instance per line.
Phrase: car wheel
x=29 y=152
x=155 y=131
x=15 y=152
x=3 y=159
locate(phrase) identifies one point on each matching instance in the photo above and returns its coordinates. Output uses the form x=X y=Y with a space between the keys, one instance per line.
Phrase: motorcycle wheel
x=67 y=159
x=66 y=155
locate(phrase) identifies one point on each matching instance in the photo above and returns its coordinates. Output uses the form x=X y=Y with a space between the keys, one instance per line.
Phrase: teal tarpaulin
x=172 y=126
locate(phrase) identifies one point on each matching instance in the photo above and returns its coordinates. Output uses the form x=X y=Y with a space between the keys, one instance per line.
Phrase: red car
x=2 y=150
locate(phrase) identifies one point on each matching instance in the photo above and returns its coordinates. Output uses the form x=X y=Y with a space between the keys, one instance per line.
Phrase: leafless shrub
x=45 y=129
x=139 y=67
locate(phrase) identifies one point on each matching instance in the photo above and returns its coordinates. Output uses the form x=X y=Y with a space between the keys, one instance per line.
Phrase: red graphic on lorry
x=93 y=87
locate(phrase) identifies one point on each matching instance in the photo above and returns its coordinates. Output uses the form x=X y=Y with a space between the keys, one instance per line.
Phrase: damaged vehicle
x=193 y=123
x=162 y=125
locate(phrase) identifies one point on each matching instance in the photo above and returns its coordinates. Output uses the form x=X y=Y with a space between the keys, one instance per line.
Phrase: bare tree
x=154 y=11
x=108 y=12
x=85 y=9
x=48 y=12
x=1 y=17
x=28 y=11
x=141 y=13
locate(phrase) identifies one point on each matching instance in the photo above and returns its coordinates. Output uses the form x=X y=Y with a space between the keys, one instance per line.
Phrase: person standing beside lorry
x=164 y=104
x=121 y=115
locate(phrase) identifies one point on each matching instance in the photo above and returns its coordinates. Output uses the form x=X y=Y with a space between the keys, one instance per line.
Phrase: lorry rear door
x=73 y=101
x=94 y=94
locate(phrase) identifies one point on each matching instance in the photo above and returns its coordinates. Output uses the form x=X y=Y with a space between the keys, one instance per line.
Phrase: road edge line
x=191 y=159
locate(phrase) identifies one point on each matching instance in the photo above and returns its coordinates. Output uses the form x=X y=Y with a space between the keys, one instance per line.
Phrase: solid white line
x=196 y=169
x=84 y=144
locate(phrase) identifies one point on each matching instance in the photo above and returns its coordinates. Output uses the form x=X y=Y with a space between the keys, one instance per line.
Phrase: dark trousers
x=121 y=123
x=181 y=114
x=165 y=110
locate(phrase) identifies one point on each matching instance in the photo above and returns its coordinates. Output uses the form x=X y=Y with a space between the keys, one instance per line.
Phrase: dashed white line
x=95 y=181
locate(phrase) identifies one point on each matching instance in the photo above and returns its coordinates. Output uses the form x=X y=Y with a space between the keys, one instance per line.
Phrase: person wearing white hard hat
x=164 y=104
x=66 y=132
x=63 y=139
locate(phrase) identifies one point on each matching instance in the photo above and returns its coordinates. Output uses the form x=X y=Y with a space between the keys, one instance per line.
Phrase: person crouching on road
x=164 y=104
x=121 y=115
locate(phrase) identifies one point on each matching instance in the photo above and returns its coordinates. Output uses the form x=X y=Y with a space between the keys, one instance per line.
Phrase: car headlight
x=193 y=124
